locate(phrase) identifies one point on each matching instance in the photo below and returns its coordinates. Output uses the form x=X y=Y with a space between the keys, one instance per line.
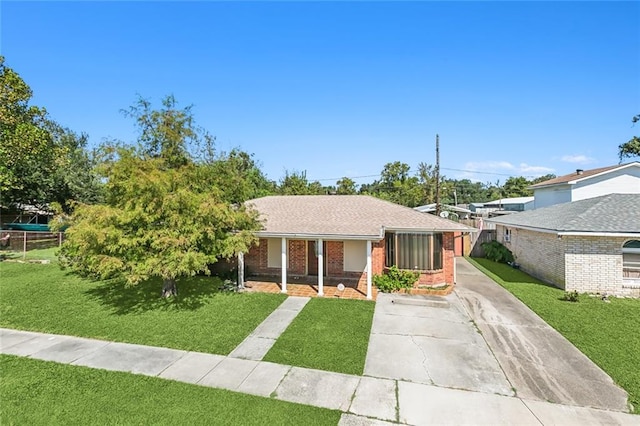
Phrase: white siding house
x=585 y=184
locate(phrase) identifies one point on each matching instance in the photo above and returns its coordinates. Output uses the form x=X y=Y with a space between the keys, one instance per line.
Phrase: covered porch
x=307 y=286
x=310 y=266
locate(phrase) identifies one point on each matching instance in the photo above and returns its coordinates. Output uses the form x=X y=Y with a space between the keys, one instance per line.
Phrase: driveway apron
x=431 y=340
x=538 y=361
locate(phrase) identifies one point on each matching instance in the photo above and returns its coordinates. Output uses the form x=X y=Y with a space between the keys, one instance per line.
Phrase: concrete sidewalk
x=363 y=400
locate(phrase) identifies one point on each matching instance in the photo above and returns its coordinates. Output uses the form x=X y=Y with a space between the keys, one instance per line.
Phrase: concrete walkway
x=537 y=360
x=258 y=343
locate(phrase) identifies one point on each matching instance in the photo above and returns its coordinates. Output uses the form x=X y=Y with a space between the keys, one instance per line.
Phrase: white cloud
x=490 y=170
x=577 y=159
x=536 y=170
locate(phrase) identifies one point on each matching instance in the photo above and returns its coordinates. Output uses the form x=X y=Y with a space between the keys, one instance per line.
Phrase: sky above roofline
x=341 y=88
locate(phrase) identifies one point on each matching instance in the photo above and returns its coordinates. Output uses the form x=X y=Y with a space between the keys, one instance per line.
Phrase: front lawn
x=35 y=392
x=329 y=334
x=608 y=333
x=43 y=298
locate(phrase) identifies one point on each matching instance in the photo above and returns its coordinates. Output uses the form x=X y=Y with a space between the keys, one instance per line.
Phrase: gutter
x=572 y=233
x=326 y=237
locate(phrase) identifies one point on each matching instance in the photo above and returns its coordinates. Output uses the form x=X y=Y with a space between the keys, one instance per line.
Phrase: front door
x=312 y=258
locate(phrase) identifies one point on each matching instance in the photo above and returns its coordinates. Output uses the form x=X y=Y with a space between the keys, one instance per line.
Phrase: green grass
x=608 y=333
x=43 y=298
x=37 y=254
x=37 y=392
x=329 y=334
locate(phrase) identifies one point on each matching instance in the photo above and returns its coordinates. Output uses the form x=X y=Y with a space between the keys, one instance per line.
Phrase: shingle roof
x=513 y=200
x=583 y=175
x=342 y=216
x=613 y=213
x=428 y=208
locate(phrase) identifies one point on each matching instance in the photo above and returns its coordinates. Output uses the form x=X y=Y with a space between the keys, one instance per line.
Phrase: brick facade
x=586 y=264
x=256 y=261
x=594 y=264
x=539 y=254
x=335 y=258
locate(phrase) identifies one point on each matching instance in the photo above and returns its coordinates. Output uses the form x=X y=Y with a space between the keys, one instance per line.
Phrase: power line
x=442 y=168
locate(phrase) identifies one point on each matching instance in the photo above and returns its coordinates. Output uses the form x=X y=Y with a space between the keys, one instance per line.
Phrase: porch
x=307 y=286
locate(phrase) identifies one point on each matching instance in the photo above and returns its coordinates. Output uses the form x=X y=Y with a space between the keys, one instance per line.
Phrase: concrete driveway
x=481 y=338
x=537 y=360
x=431 y=340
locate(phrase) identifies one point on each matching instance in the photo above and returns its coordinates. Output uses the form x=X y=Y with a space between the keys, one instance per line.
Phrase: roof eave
x=560 y=232
x=396 y=229
x=311 y=236
x=599 y=234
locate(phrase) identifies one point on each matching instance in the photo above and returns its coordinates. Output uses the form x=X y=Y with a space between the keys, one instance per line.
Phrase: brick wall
x=586 y=264
x=539 y=254
x=594 y=264
x=377 y=257
x=297 y=257
x=444 y=275
x=441 y=276
x=335 y=258
x=256 y=260
x=377 y=262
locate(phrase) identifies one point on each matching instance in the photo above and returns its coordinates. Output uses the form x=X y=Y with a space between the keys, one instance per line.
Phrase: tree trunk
x=169 y=288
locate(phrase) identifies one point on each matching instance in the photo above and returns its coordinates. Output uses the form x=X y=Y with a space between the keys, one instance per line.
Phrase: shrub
x=395 y=279
x=497 y=252
x=570 y=296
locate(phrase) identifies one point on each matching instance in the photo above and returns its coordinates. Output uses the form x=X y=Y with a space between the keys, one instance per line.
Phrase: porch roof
x=343 y=217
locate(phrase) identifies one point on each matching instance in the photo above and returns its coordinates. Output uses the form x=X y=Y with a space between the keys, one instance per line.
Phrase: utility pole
x=437 y=173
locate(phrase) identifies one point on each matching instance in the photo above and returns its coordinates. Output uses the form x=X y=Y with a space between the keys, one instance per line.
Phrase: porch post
x=284 y=265
x=320 y=269
x=369 y=269
x=241 y=270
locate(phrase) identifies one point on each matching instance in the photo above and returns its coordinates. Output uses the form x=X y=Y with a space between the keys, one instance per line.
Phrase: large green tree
x=162 y=216
x=40 y=161
x=516 y=187
x=237 y=175
x=28 y=154
x=346 y=186
x=296 y=183
x=396 y=184
x=631 y=148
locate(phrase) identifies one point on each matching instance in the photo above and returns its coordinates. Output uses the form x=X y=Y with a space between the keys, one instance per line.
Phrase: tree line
x=169 y=204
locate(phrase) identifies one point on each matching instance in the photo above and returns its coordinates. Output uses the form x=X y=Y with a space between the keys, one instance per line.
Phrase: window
x=507 y=235
x=631 y=259
x=421 y=251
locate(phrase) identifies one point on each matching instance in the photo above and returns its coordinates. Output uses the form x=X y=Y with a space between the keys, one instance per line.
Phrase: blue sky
x=341 y=88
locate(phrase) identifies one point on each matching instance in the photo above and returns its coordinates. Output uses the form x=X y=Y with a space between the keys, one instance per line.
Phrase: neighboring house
x=24 y=217
x=462 y=245
x=503 y=206
x=590 y=245
x=461 y=212
x=583 y=184
x=349 y=236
